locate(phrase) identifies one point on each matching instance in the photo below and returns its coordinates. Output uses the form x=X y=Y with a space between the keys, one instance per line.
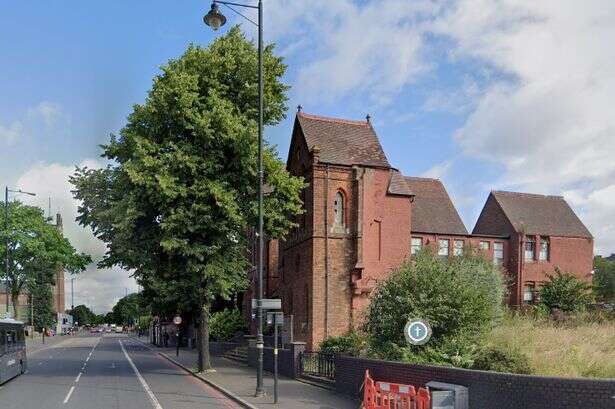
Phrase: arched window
x=338 y=209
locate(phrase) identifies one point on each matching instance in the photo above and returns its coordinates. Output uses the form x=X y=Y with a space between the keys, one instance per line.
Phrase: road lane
x=51 y=372
x=173 y=387
x=113 y=371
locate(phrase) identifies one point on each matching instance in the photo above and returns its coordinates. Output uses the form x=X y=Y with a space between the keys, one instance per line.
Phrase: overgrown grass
x=581 y=347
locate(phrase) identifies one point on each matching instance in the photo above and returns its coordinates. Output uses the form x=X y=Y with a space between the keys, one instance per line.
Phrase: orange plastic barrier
x=386 y=395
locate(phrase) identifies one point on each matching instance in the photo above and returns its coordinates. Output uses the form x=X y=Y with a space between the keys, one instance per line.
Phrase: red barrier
x=386 y=395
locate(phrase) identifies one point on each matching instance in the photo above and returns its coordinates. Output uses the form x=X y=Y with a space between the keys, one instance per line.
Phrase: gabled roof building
x=363 y=218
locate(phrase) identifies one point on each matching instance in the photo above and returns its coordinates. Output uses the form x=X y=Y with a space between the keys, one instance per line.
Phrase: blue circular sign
x=417 y=331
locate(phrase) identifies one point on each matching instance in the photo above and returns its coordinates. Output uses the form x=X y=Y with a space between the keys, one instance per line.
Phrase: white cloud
x=549 y=119
x=438 y=171
x=373 y=47
x=50 y=112
x=11 y=133
x=47 y=112
x=98 y=288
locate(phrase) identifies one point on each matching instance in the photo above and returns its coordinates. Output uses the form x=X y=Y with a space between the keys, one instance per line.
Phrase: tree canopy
x=604 y=279
x=37 y=250
x=461 y=298
x=180 y=195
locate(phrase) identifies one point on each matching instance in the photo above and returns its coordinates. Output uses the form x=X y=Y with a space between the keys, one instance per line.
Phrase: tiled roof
x=432 y=210
x=398 y=185
x=539 y=214
x=343 y=142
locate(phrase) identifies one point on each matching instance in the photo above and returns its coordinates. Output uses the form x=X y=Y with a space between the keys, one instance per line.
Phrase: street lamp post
x=215 y=19
x=6 y=226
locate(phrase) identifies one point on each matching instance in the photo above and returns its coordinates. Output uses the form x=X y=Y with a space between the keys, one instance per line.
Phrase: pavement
x=240 y=380
x=109 y=371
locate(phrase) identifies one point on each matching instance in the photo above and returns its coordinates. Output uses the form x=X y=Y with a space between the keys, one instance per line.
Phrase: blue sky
x=484 y=94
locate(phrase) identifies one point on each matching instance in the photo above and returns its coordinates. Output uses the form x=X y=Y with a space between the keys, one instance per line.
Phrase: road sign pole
x=275 y=361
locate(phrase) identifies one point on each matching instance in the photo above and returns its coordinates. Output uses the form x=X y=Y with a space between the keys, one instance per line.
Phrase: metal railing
x=318 y=364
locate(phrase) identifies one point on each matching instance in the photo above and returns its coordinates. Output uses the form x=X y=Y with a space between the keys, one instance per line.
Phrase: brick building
x=363 y=218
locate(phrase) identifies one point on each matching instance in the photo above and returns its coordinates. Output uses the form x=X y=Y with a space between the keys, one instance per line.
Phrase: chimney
x=315 y=151
x=59 y=223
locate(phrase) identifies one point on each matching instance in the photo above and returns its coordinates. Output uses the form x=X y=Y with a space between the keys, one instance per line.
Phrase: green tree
x=225 y=324
x=460 y=297
x=604 y=279
x=127 y=310
x=83 y=315
x=37 y=250
x=41 y=297
x=566 y=292
x=180 y=196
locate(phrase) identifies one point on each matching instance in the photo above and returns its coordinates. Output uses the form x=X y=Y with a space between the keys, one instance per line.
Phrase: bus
x=12 y=349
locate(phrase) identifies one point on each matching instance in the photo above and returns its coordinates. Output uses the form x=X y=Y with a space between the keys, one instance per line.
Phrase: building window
x=528 y=294
x=484 y=245
x=530 y=246
x=544 y=249
x=458 y=248
x=443 y=248
x=498 y=253
x=338 y=209
x=416 y=244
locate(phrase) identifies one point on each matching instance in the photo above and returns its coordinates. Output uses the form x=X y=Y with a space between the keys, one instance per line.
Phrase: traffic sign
x=268 y=303
x=276 y=318
x=417 y=331
x=177 y=320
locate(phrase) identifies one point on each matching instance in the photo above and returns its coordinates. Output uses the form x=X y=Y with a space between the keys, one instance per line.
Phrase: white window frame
x=441 y=248
x=339 y=209
x=416 y=244
x=543 y=254
x=528 y=293
x=457 y=249
x=498 y=249
x=529 y=255
x=484 y=245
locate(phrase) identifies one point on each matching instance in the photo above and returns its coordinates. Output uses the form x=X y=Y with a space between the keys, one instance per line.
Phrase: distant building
x=363 y=218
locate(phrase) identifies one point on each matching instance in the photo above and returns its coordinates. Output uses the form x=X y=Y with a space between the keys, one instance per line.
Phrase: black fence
x=317 y=364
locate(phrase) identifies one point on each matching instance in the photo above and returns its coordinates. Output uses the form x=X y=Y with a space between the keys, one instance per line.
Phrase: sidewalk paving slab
x=239 y=380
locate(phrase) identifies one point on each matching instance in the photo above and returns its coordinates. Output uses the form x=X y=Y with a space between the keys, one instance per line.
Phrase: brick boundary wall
x=487 y=390
x=288 y=359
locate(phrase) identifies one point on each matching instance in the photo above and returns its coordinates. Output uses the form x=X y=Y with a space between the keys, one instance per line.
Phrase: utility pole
x=72 y=294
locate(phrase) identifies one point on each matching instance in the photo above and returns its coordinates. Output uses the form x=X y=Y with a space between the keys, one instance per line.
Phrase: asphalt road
x=110 y=371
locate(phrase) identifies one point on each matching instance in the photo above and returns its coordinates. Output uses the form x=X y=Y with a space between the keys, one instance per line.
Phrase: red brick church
x=363 y=218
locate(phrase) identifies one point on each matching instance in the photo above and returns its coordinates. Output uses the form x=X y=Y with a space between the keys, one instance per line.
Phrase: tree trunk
x=15 y=301
x=204 y=362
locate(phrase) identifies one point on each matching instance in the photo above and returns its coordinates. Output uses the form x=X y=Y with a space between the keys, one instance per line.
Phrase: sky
x=484 y=94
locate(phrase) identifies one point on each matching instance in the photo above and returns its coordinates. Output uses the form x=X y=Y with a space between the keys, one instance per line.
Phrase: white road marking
x=70 y=392
x=146 y=387
x=72 y=388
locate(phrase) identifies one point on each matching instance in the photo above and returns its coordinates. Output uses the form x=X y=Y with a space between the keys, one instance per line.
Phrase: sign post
x=177 y=321
x=277 y=319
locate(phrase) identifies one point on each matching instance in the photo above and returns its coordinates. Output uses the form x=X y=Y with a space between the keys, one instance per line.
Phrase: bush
x=223 y=325
x=502 y=360
x=352 y=343
x=460 y=297
x=604 y=279
x=565 y=292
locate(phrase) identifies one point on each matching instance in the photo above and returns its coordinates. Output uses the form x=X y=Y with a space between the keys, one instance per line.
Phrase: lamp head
x=214 y=18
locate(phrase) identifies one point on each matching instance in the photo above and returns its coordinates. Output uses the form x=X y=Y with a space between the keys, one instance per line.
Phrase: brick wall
x=487 y=390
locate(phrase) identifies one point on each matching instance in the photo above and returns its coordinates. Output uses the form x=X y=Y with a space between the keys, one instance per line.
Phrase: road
x=109 y=371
